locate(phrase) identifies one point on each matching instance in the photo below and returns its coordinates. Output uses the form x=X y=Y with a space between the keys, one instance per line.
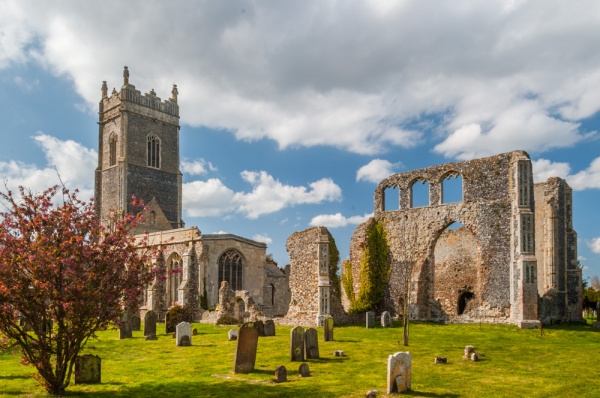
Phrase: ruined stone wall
x=306 y=279
x=559 y=283
x=276 y=291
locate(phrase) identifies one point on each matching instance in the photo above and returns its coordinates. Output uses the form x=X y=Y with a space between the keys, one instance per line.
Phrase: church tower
x=138 y=154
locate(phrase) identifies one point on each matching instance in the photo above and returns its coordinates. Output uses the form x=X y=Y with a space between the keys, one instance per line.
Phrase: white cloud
x=588 y=178
x=376 y=170
x=74 y=163
x=594 y=245
x=262 y=238
x=338 y=220
x=213 y=198
x=322 y=72
x=544 y=169
x=197 y=167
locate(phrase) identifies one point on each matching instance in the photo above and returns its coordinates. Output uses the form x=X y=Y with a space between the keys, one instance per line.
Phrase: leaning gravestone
x=469 y=349
x=297 y=344
x=245 y=351
x=370 y=319
x=386 y=319
x=260 y=325
x=311 y=344
x=281 y=374
x=125 y=328
x=399 y=372
x=136 y=323
x=150 y=323
x=328 y=329
x=269 y=328
x=88 y=369
x=183 y=334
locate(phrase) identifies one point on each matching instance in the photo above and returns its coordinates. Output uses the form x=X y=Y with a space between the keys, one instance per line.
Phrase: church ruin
x=513 y=259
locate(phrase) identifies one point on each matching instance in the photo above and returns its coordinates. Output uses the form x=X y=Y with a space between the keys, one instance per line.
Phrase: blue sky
x=291 y=112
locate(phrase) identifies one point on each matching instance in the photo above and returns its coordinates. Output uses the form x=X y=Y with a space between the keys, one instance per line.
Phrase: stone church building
x=139 y=155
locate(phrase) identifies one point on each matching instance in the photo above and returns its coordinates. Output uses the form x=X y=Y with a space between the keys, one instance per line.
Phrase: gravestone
x=399 y=372
x=88 y=369
x=280 y=374
x=136 y=323
x=125 y=328
x=339 y=353
x=439 y=360
x=150 y=323
x=195 y=332
x=474 y=357
x=386 y=319
x=245 y=351
x=297 y=344
x=232 y=334
x=370 y=319
x=328 y=329
x=304 y=371
x=311 y=344
x=260 y=325
x=183 y=334
x=469 y=349
x=371 y=394
x=269 y=328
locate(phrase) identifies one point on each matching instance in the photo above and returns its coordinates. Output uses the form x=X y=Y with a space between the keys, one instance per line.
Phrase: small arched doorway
x=463 y=300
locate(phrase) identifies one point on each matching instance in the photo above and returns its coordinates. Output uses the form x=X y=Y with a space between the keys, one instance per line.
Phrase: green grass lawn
x=516 y=363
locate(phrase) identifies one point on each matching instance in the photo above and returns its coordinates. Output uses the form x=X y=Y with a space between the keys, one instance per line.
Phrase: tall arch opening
x=231 y=265
x=419 y=193
x=174 y=264
x=391 y=199
x=455 y=270
x=452 y=188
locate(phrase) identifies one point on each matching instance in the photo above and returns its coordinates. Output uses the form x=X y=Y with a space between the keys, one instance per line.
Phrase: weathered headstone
x=328 y=329
x=386 y=319
x=304 y=370
x=280 y=374
x=469 y=349
x=399 y=372
x=195 y=332
x=88 y=369
x=439 y=360
x=371 y=394
x=311 y=344
x=232 y=334
x=370 y=319
x=339 y=353
x=269 y=327
x=125 y=328
x=245 y=352
x=260 y=325
x=474 y=357
x=297 y=344
x=183 y=334
x=136 y=323
x=150 y=323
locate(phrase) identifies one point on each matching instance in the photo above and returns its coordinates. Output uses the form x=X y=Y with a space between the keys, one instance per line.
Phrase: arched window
x=174 y=279
x=112 y=148
x=452 y=188
x=153 y=151
x=230 y=269
x=391 y=199
x=419 y=193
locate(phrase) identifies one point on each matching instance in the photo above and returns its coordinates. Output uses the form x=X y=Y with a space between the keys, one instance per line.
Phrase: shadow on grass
x=414 y=393
x=14 y=377
x=196 y=389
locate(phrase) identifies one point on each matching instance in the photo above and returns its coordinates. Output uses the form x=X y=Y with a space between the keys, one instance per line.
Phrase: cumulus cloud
x=376 y=170
x=74 y=163
x=268 y=195
x=588 y=178
x=197 y=167
x=337 y=220
x=594 y=245
x=322 y=72
x=262 y=238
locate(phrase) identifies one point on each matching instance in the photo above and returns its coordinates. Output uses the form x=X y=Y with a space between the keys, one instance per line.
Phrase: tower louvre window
x=153 y=151
x=112 y=148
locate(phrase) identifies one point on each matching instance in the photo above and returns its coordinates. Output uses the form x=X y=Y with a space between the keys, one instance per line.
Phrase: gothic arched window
x=230 y=269
x=112 y=149
x=153 y=151
x=174 y=279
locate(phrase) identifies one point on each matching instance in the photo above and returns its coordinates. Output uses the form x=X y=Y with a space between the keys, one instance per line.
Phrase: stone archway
x=455 y=272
